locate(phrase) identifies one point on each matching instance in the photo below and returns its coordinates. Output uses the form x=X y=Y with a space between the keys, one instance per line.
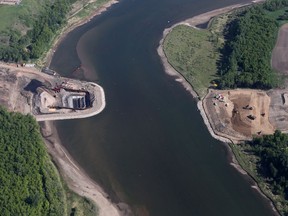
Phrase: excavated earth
x=243 y=113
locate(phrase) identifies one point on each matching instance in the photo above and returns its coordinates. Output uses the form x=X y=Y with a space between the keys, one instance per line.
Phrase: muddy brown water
x=149 y=147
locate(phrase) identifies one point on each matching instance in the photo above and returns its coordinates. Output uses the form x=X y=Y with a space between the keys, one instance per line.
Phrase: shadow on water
x=149 y=147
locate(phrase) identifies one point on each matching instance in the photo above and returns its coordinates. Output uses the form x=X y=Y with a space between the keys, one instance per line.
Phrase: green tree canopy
x=246 y=55
x=29 y=184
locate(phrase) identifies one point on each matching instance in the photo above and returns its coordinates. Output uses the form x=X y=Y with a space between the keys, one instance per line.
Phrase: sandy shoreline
x=76 y=178
x=170 y=70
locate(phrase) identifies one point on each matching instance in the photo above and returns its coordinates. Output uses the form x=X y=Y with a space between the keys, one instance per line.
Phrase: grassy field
x=194 y=52
x=19 y=16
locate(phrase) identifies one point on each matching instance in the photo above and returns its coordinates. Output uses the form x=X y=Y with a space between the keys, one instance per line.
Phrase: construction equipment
x=57 y=88
x=252 y=117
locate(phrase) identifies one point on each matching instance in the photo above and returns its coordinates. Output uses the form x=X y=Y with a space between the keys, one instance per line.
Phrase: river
x=149 y=147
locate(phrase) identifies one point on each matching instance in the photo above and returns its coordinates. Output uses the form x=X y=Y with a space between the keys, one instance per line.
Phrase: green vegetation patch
x=27 y=30
x=249 y=40
x=246 y=56
x=20 y=16
x=235 y=51
x=193 y=53
x=43 y=25
x=277 y=10
x=29 y=183
x=266 y=160
x=80 y=206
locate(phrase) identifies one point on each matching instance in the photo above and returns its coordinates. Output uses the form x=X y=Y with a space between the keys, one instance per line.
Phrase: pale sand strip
x=193 y=22
x=76 y=178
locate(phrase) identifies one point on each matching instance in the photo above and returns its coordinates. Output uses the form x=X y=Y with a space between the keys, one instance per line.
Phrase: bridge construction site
x=49 y=97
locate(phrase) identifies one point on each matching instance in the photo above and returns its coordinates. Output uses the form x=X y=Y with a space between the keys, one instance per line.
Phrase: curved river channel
x=149 y=147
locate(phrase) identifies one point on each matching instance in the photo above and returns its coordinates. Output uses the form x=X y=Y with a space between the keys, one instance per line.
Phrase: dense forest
x=250 y=37
x=273 y=164
x=29 y=184
x=38 y=38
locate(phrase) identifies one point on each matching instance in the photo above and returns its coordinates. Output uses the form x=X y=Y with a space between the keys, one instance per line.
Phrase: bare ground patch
x=280 y=51
x=238 y=114
x=279 y=109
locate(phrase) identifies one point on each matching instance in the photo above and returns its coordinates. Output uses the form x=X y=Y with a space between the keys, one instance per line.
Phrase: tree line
x=249 y=40
x=37 y=40
x=274 y=5
x=273 y=164
x=29 y=184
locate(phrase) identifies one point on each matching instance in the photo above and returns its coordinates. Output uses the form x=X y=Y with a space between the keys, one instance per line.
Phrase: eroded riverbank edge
x=170 y=70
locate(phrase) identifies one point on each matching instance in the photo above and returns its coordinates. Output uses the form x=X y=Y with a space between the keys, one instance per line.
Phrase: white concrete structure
x=10 y=2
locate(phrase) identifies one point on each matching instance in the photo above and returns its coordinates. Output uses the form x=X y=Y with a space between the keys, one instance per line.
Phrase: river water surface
x=149 y=147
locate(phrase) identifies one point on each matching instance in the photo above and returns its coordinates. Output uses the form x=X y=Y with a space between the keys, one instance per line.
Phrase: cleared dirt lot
x=11 y=89
x=238 y=114
x=280 y=51
x=279 y=109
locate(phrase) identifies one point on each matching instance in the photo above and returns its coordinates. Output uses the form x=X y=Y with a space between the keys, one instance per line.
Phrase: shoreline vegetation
x=237 y=157
x=193 y=23
x=31 y=183
x=35 y=27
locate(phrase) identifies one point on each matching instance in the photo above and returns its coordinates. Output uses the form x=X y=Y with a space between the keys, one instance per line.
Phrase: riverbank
x=194 y=22
x=72 y=23
x=170 y=70
x=75 y=177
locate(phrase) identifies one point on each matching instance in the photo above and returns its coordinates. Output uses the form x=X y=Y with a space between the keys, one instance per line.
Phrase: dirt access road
x=280 y=51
